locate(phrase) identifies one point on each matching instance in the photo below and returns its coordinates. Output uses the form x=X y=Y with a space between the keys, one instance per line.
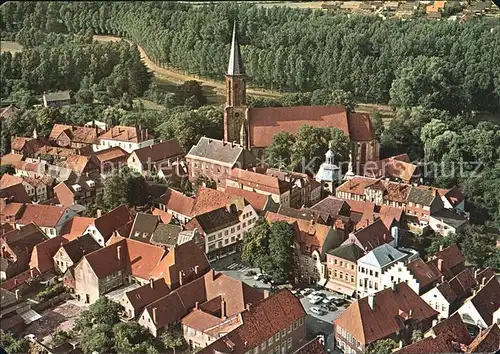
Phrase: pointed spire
x=235 y=66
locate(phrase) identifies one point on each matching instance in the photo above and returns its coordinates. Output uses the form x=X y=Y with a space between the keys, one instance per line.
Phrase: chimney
x=181 y=276
x=483 y=282
x=266 y=294
x=196 y=305
x=151 y=283
x=442 y=278
x=99 y=213
x=400 y=344
x=410 y=313
x=249 y=306
x=154 y=315
x=146 y=133
x=440 y=264
x=32 y=272
x=196 y=269
x=371 y=301
x=476 y=273
x=441 y=247
x=17 y=294
x=434 y=322
x=223 y=309
x=119 y=252
x=393 y=286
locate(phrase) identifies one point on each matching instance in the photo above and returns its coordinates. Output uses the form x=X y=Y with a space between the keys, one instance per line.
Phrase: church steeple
x=235 y=113
x=235 y=66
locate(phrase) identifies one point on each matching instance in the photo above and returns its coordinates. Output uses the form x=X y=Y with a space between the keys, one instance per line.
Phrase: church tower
x=235 y=111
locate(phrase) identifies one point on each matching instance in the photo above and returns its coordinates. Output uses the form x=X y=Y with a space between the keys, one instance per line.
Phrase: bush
x=49 y=293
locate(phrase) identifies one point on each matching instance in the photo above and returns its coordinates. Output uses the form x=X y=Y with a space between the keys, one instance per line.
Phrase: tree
x=59 y=338
x=130 y=338
x=377 y=124
x=255 y=244
x=9 y=169
x=343 y=98
x=494 y=260
x=84 y=96
x=278 y=154
x=12 y=344
x=172 y=340
x=281 y=241
x=97 y=339
x=383 y=346
x=103 y=312
x=416 y=336
x=203 y=181
x=192 y=92
x=441 y=241
x=479 y=244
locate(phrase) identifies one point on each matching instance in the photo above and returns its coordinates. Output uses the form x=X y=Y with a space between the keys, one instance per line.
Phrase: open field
x=8 y=46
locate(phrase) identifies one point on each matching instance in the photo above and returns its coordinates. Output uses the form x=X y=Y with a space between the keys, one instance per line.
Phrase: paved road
x=316 y=324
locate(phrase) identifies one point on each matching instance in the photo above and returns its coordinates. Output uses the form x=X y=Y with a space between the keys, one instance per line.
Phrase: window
x=232 y=230
x=277 y=337
x=244 y=224
x=283 y=332
x=289 y=343
x=270 y=341
x=352 y=278
x=443 y=307
x=263 y=346
x=256 y=350
x=295 y=325
x=341 y=275
x=352 y=266
x=376 y=286
x=277 y=349
x=290 y=329
x=335 y=261
x=226 y=233
x=371 y=272
x=341 y=264
x=376 y=274
x=238 y=227
x=301 y=321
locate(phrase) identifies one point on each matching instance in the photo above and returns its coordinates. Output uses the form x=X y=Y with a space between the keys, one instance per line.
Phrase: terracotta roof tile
x=12 y=187
x=80 y=246
x=57 y=151
x=10 y=211
x=112 y=221
x=463 y=283
x=266 y=122
x=42 y=215
x=486 y=301
x=488 y=341
x=86 y=135
x=424 y=273
x=124 y=133
x=76 y=227
x=142 y=258
x=159 y=152
x=207 y=199
x=332 y=205
x=397 y=166
x=147 y=294
x=43 y=253
x=451 y=257
x=455 y=327
x=111 y=154
x=181 y=258
x=259 y=181
x=441 y=344
x=447 y=291
x=79 y=163
x=109 y=259
x=367 y=325
x=312 y=347
x=164 y=216
x=308 y=233
x=360 y=127
x=178 y=202
x=23 y=240
x=25 y=277
x=371 y=236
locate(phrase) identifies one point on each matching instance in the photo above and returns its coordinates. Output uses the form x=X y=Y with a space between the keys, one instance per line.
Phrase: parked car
x=316 y=300
x=294 y=292
x=332 y=307
x=259 y=276
x=339 y=302
x=318 y=293
x=306 y=291
x=317 y=310
x=326 y=301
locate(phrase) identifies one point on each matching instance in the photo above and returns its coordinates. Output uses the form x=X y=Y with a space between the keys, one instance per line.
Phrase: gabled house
x=371 y=236
x=278 y=189
x=135 y=300
x=312 y=241
x=105 y=224
x=396 y=168
x=260 y=202
x=110 y=160
x=391 y=313
x=43 y=253
x=76 y=227
x=223 y=228
x=478 y=310
x=38 y=188
x=373 y=265
x=16 y=247
x=419 y=276
x=127 y=138
x=12 y=189
x=447 y=221
x=144 y=226
x=56 y=99
x=452 y=326
x=67 y=254
x=487 y=341
x=27 y=147
x=450 y=261
x=49 y=218
x=274 y=324
x=74 y=137
x=341 y=264
x=151 y=159
x=82 y=190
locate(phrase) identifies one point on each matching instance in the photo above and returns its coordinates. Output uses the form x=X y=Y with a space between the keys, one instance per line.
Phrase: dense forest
x=425 y=62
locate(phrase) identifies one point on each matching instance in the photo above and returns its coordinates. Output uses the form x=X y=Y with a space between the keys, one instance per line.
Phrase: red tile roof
x=77 y=134
x=43 y=253
x=451 y=257
x=124 y=133
x=110 y=154
x=424 y=273
x=181 y=258
x=266 y=122
x=392 y=167
x=159 y=152
x=42 y=215
x=164 y=216
x=360 y=127
x=147 y=294
x=108 y=260
x=9 y=211
x=488 y=341
x=371 y=236
x=141 y=258
x=313 y=347
x=441 y=344
x=12 y=187
x=8 y=181
x=178 y=202
x=76 y=227
x=307 y=233
x=260 y=322
x=367 y=325
x=79 y=163
x=259 y=181
x=25 y=277
x=455 y=327
x=463 y=283
x=486 y=301
x=112 y=221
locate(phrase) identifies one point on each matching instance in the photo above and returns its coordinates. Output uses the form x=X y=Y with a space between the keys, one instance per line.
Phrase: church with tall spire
x=236 y=110
x=254 y=128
